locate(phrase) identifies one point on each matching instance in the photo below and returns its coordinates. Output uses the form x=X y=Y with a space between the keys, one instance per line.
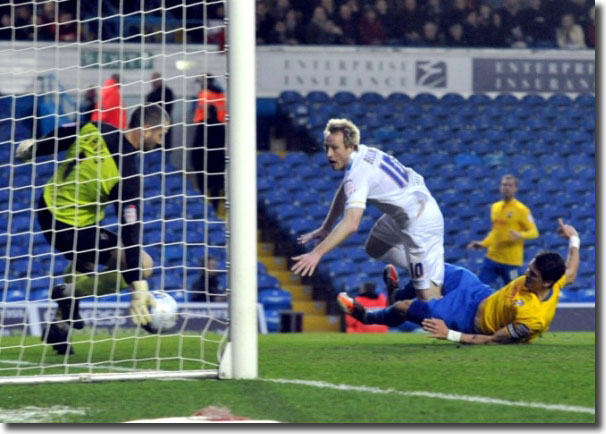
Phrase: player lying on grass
x=100 y=167
x=469 y=312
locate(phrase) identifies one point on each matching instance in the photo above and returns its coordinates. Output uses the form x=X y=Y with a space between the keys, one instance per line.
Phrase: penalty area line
x=435 y=395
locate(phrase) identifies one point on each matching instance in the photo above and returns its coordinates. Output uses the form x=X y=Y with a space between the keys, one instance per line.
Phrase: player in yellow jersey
x=469 y=312
x=512 y=223
x=100 y=167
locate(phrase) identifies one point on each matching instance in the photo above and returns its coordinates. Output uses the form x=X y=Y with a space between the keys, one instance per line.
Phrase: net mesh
x=61 y=55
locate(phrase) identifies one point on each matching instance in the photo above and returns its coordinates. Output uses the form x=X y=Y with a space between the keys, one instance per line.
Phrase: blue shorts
x=492 y=270
x=463 y=292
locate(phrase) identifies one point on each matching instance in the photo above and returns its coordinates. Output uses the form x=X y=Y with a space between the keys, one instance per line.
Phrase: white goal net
x=68 y=64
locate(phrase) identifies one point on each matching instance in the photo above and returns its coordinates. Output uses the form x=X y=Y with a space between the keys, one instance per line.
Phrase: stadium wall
x=303 y=69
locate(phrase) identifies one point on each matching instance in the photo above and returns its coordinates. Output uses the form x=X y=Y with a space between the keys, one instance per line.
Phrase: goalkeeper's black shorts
x=89 y=246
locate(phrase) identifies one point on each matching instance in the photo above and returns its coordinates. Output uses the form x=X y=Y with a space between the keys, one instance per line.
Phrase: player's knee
x=376 y=248
x=403 y=305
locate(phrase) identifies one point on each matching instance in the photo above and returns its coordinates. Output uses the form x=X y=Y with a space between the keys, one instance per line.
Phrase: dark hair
x=151 y=115
x=551 y=266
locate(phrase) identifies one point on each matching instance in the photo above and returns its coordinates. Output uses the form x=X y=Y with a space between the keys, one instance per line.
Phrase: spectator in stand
x=370 y=29
x=263 y=22
x=24 y=26
x=456 y=36
x=431 y=35
x=510 y=17
x=517 y=39
x=580 y=10
x=434 y=12
x=484 y=15
x=496 y=34
x=294 y=30
x=457 y=14
x=535 y=25
x=411 y=22
x=569 y=35
x=68 y=28
x=163 y=96
x=329 y=7
x=321 y=30
x=47 y=22
x=368 y=297
x=590 y=29
x=280 y=9
x=87 y=107
x=109 y=108
x=215 y=30
x=472 y=31
x=6 y=33
x=388 y=21
x=348 y=24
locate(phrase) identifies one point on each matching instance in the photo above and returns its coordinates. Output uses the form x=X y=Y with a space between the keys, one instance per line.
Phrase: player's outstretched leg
x=352 y=307
x=57 y=335
x=68 y=305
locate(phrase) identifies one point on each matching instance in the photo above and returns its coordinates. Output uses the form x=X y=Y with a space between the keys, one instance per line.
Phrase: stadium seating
x=462 y=146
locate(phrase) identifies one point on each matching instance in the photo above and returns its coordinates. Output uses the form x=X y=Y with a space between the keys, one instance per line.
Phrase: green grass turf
x=558 y=368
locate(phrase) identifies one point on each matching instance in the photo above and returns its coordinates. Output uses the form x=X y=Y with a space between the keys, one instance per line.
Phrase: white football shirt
x=378 y=178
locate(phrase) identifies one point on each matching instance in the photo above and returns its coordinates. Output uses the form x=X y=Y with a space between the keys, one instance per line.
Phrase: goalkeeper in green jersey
x=100 y=167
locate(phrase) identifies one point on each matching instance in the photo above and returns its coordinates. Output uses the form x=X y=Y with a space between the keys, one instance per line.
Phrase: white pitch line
x=451 y=397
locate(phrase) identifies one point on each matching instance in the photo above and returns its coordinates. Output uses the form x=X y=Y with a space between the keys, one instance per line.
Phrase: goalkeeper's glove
x=140 y=299
x=25 y=150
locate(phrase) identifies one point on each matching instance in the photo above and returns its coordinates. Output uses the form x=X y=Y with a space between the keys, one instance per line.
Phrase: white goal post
x=202 y=243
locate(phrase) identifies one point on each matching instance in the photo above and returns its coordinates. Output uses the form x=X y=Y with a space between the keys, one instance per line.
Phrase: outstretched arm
x=438 y=330
x=56 y=141
x=572 y=260
x=306 y=264
x=336 y=209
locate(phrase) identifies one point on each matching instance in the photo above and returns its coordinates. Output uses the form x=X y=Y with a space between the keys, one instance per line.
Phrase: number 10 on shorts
x=416 y=270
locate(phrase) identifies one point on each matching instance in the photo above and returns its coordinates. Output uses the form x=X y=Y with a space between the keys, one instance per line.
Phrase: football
x=164 y=315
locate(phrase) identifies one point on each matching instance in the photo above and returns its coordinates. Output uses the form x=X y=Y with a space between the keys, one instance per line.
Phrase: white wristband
x=454 y=336
x=574 y=241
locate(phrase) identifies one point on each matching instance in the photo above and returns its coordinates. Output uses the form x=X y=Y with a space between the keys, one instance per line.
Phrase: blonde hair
x=351 y=133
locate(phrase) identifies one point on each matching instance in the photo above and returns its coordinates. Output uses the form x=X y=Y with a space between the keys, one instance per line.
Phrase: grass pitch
x=391 y=378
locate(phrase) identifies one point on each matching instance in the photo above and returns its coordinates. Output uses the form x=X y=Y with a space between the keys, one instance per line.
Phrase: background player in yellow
x=512 y=223
x=100 y=167
x=469 y=312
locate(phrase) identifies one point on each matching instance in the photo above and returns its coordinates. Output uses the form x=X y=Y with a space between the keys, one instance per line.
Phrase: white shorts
x=423 y=241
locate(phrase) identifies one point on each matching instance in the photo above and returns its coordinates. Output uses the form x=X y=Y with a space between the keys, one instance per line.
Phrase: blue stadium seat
x=585 y=100
x=344 y=97
x=559 y=100
x=371 y=98
x=479 y=99
x=506 y=100
x=317 y=97
x=275 y=299
x=533 y=100
x=576 y=163
x=289 y=97
x=398 y=99
x=425 y=99
x=272 y=320
x=452 y=99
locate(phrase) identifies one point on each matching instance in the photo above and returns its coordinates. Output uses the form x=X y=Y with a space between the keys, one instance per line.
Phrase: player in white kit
x=410 y=233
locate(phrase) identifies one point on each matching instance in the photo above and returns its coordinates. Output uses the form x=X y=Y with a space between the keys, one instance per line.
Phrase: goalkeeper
x=100 y=167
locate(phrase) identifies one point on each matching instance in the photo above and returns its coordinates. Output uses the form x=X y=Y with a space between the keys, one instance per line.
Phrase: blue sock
x=418 y=311
x=390 y=316
x=406 y=293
